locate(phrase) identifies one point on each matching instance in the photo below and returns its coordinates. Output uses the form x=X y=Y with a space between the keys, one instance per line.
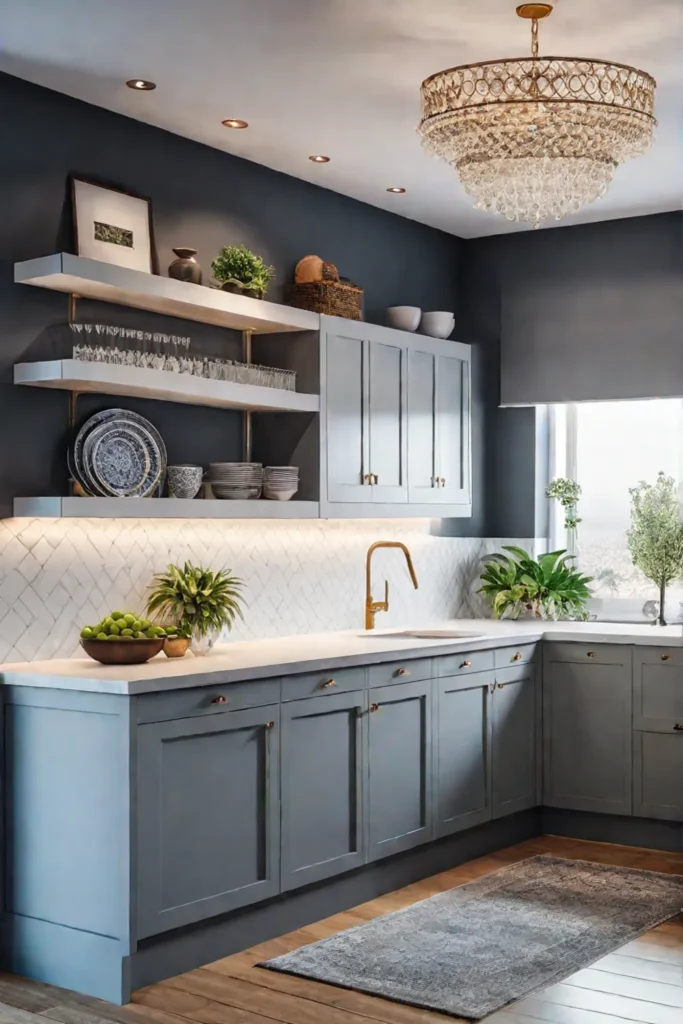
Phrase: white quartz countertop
x=263 y=659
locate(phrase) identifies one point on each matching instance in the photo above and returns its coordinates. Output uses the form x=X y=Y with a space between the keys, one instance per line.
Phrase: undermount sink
x=423 y=634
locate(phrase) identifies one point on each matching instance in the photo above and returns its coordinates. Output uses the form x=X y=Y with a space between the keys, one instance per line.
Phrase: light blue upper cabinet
x=396 y=423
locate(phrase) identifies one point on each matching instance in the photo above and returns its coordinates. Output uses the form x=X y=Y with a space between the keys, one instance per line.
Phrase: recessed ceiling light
x=319 y=159
x=397 y=191
x=141 y=84
x=235 y=122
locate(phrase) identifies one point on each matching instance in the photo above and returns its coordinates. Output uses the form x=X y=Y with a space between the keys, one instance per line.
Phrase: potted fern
x=547 y=588
x=200 y=602
x=241 y=271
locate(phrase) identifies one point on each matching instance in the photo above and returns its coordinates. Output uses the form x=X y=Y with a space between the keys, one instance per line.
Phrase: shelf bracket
x=247 y=437
x=73 y=308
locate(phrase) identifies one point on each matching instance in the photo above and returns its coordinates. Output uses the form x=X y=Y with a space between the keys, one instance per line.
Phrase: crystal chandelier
x=537 y=137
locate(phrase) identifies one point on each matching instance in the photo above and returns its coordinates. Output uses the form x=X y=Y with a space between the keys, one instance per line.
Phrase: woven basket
x=336 y=298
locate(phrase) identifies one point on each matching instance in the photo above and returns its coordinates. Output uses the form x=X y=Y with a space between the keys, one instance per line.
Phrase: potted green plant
x=198 y=601
x=567 y=492
x=240 y=270
x=655 y=538
x=547 y=588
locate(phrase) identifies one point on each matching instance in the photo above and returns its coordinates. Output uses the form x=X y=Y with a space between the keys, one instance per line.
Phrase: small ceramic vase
x=184 y=481
x=185 y=268
x=176 y=647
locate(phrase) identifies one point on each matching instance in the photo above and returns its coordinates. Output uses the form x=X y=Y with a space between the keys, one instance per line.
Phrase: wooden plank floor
x=641 y=982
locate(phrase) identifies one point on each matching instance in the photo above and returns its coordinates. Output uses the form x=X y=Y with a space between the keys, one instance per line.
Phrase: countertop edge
x=390 y=648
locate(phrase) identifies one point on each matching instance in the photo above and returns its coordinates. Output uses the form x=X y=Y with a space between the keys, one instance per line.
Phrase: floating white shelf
x=163 y=385
x=93 y=279
x=161 y=508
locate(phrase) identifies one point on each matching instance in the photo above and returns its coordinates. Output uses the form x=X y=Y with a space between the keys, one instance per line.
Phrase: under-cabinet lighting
x=235 y=122
x=319 y=159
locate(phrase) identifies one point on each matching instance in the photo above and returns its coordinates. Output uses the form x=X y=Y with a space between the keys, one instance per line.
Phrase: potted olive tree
x=241 y=271
x=655 y=538
x=200 y=602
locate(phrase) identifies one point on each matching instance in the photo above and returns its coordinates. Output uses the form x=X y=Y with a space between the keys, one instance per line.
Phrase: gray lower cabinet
x=207 y=816
x=515 y=738
x=587 y=727
x=323 y=781
x=399 y=807
x=463 y=754
x=658 y=775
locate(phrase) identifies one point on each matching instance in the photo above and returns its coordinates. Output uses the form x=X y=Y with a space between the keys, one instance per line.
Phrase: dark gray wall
x=201 y=197
x=591 y=312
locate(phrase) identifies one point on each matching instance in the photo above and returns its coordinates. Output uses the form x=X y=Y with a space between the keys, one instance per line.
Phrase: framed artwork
x=112 y=225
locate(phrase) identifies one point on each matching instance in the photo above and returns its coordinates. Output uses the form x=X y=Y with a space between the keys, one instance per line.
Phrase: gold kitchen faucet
x=372 y=607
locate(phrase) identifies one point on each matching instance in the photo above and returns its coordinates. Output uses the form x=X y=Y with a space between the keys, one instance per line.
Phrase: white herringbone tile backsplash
x=57 y=575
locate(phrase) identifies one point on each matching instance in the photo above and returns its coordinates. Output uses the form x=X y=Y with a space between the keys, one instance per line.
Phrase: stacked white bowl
x=280 y=483
x=236 y=480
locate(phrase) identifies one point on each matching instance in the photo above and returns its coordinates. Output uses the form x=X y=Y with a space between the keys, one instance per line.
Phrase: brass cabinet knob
x=402 y=672
x=678 y=727
x=443 y=481
x=501 y=685
x=374 y=707
x=666 y=657
x=326 y=685
x=375 y=478
x=517 y=656
x=466 y=664
x=270 y=725
x=590 y=654
x=220 y=700
x=367 y=479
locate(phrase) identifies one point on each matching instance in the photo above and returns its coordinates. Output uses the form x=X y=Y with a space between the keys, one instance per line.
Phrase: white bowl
x=278 y=495
x=404 y=318
x=437 y=325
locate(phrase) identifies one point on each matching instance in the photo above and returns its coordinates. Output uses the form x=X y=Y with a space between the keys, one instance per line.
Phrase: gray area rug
x=478 y=947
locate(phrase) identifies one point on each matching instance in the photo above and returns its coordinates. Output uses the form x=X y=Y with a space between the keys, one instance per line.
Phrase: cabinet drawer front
x=596 y=654
x=400 y=671
x=466 y=663
x=658 y=690
x=207 y=700
x=323 y=684
x=508 y=657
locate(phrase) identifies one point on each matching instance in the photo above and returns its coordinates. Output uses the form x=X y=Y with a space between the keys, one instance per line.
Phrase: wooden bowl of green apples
x=123 y=638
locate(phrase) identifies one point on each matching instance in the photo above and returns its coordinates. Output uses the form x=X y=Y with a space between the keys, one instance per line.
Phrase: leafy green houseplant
x=655 y=538
x=242 y=271
x=199 y=601
x=550 y=588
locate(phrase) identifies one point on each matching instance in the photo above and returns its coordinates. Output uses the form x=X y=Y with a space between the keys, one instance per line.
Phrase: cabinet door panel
x=514 y=741
x=386 y=413
x=422 y=470
x=463 y=779
x=658 y=776
x=322 y=787
x=346 y=428
x=400 y=767
x=208 y=821
x=587 y=735
x=452 y=429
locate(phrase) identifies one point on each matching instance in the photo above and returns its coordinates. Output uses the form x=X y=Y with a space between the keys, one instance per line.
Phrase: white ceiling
x=341 y=77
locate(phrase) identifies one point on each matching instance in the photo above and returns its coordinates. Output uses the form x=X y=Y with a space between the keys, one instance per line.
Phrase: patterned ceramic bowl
x=184 y=481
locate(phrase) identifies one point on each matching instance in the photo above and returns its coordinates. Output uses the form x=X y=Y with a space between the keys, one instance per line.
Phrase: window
x=609 y=447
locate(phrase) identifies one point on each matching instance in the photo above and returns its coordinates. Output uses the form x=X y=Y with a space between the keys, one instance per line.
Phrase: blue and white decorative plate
x=123 y=458
x=120 y=454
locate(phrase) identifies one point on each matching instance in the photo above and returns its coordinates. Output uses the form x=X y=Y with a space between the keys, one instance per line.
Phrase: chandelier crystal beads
x=534 y=138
